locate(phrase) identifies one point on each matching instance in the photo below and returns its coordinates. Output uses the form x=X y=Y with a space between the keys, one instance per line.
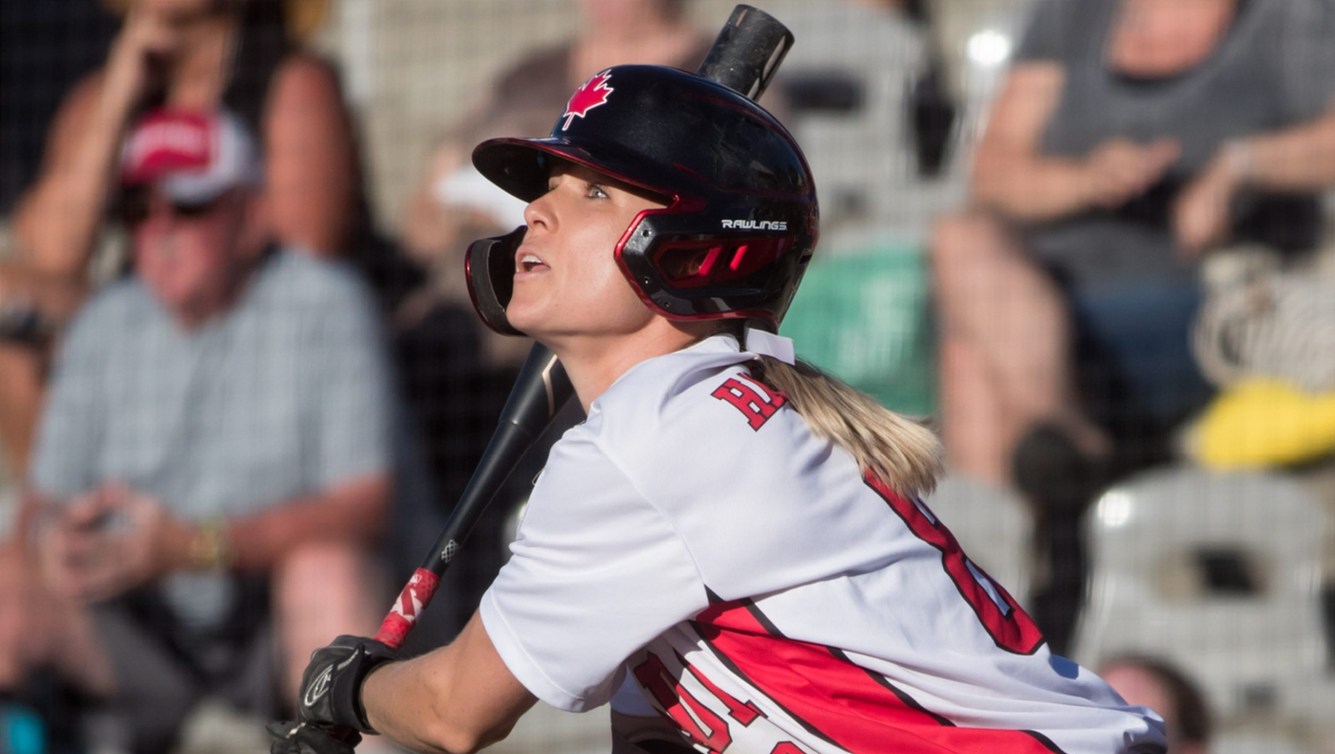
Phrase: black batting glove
x=331 y=686
x=304 y=738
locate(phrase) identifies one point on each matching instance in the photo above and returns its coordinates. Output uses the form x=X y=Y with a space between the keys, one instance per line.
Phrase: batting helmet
x=741 y=221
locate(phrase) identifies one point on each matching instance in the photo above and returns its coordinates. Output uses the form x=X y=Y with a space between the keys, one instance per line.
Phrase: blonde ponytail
x=902 y=453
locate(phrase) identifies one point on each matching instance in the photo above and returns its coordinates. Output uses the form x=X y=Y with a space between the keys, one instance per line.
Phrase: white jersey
x=693 y=537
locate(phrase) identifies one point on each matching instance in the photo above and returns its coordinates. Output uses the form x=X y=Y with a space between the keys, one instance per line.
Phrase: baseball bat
x=539 y=392
x=747 y=51
x=744 y=57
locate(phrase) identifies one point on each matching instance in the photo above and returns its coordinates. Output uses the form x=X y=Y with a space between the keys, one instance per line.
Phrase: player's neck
x=594 y=362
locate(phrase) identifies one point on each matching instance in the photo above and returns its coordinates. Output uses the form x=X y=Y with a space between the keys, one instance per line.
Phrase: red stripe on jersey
x=842 y=702
x=1006 y=622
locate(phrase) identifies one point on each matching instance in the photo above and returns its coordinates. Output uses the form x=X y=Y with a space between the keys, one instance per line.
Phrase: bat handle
x=409 y=605
x=540 y=392
x=747 y=52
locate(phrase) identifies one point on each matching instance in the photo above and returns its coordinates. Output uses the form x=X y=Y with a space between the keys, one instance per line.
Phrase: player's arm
x=458 y=698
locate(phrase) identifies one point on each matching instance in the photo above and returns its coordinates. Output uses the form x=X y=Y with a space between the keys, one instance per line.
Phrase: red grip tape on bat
x=414 y=597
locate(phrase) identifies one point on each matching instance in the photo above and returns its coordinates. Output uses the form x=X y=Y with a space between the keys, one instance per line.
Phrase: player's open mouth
x=530 y=262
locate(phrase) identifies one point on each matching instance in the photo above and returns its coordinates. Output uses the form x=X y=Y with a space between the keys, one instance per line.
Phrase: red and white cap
x=193 y=156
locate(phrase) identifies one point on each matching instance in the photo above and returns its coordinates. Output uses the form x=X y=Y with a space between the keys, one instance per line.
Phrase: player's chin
x=529 y=317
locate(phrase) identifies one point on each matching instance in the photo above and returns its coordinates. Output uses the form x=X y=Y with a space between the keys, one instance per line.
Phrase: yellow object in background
x=1264 y=422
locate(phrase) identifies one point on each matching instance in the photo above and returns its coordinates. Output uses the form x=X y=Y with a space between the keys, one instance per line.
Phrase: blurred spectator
x=1130 y=139
x=1163 y=687
x=184 y=54
x=215 y=460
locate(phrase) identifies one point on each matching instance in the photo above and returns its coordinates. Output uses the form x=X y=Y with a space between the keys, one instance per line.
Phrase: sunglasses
x=136 y=204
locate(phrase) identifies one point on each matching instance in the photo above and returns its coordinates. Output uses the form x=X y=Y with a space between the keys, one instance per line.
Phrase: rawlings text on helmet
x=755 y=224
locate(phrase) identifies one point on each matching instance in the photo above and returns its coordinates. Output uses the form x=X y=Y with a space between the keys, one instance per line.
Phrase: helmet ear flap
x=490 y=268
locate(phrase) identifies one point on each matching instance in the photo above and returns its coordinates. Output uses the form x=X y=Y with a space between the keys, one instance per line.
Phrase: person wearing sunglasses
x=215 y=451
x=253 y=58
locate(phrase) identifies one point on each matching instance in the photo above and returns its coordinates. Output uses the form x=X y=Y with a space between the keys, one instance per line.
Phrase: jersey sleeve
x=595 y=573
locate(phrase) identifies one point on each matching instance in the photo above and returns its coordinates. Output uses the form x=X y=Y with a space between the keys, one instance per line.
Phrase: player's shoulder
x=658 y=390
x=660 y=432
x=684 y=402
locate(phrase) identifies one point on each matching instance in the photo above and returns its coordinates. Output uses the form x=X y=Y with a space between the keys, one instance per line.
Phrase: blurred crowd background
x=242 y=385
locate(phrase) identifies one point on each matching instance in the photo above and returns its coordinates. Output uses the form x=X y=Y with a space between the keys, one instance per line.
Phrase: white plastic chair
x=1250 y=742
x=862 y=155
x=1217 y=572
x=993 y=526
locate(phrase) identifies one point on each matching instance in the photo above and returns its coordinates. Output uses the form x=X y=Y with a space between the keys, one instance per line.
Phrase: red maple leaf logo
x=591 y=95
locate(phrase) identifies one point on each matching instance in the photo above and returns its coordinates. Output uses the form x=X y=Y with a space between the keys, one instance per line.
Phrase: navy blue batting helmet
x=741 y=221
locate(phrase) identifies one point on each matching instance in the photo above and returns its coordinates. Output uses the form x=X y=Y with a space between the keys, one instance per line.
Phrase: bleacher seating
x=1217 y=572
x=1250 y=742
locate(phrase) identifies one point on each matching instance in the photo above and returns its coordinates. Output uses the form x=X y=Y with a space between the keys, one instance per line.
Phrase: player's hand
x=331 y=686
x=303 y=738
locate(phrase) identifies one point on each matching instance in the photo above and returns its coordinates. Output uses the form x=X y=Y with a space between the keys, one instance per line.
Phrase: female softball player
x=730 y=550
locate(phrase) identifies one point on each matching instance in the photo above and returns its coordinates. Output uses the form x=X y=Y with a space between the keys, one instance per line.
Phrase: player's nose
x=539 y=215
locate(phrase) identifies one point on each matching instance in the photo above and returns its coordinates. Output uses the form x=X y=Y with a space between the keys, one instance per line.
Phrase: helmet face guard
x=489 y=267
x=683 y=273
x=742 y=220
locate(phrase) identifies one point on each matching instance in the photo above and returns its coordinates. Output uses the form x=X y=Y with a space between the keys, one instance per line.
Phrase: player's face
x=567 y=283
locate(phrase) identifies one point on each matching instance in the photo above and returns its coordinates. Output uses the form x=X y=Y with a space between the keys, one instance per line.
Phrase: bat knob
x=747 y=52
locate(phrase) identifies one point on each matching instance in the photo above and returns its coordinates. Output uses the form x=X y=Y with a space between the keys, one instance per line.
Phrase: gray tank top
x=1269 y=71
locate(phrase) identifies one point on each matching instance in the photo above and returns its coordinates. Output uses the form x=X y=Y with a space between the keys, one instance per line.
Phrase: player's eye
x=596 y=191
